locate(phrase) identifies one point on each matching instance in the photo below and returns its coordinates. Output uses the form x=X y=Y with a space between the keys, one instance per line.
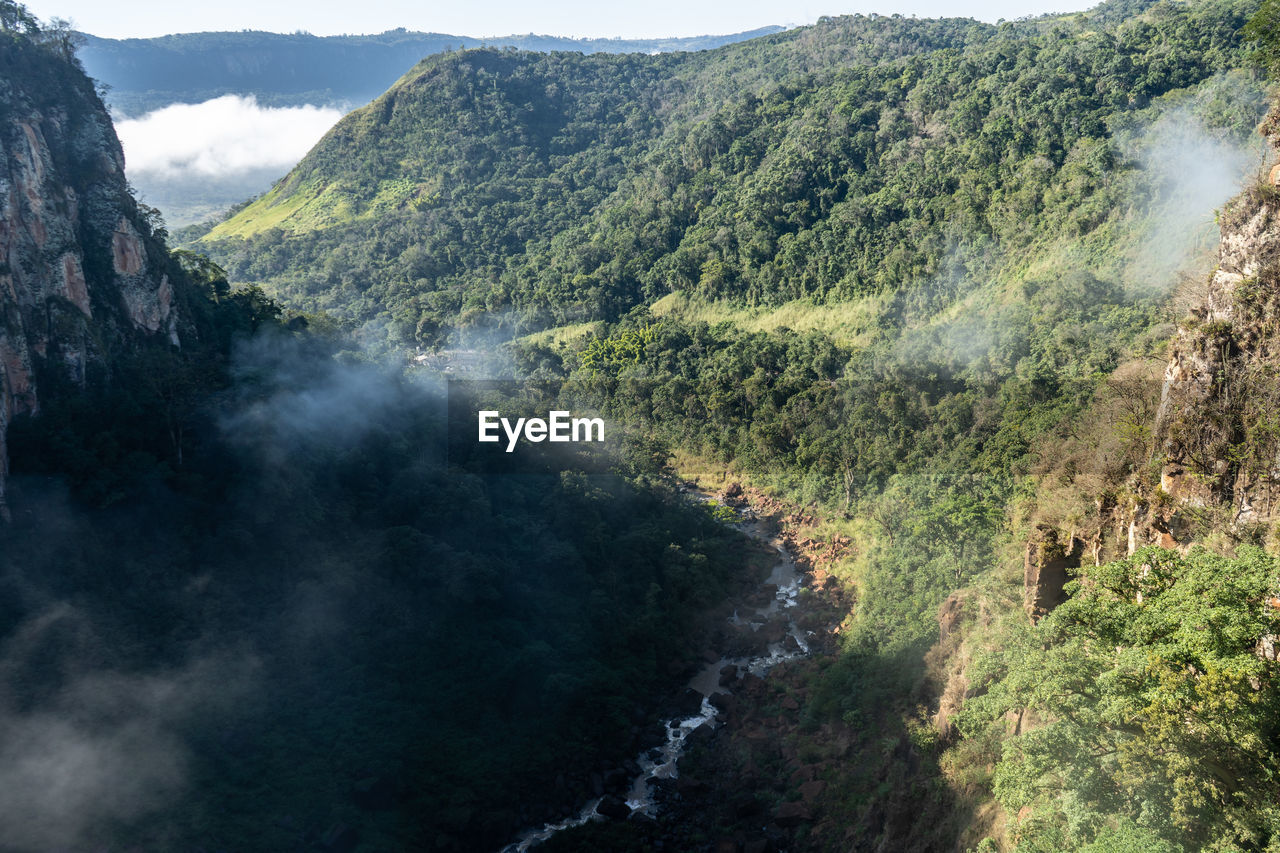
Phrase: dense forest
x=918 y=274
x=832 y=164
x=249 y=601
x=912 y=279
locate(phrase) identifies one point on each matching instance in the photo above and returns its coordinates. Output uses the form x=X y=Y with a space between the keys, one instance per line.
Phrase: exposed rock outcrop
x=1216 y=431
x=1047 y=566
x=1215 y=426
x=81 y=272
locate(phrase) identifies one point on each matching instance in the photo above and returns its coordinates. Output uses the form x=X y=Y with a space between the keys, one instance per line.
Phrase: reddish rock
x=52 y=199
x=73 y=285
x=126 y=249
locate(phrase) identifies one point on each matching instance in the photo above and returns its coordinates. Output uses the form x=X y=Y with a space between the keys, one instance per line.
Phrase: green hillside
x=917 y=278
x=906 y=288
x=849 y=159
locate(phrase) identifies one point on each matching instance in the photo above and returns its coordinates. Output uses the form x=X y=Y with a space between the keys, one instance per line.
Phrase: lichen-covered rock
x=80 y=268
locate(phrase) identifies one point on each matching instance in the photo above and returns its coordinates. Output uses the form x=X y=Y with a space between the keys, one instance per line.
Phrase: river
x=661 y=762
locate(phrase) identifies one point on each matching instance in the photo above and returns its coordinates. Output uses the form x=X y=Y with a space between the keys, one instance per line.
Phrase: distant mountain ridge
x=299 y=68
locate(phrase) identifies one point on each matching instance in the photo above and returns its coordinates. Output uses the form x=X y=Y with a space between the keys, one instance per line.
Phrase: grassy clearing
x=313 y=207
x=310 y=208
x=562 y=335
x=850 y=323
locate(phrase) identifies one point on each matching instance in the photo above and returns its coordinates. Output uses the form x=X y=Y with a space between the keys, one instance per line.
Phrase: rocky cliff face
x=1047 y=565
x=1218 y=426
x=1216 y=432
x=81 y=272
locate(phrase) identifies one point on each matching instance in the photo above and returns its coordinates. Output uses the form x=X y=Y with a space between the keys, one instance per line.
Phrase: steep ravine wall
x=1214 y=428
x=1216 y=431
x=81 y=273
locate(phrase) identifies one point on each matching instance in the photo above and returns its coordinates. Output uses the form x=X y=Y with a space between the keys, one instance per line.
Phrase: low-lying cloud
x=102 y=748
x=222 y=137
x=1190 y=171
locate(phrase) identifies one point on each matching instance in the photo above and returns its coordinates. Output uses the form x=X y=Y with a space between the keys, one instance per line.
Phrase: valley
x=932 y=507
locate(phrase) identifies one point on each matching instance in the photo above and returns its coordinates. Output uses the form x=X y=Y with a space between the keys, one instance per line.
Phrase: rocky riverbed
x=654 y=798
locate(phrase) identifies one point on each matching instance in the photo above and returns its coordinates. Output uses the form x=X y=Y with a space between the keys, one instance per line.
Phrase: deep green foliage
x=929 y=433
x=851 y=158
x=919 y=162
x=1263 y=31
x=618 y=351
x=1151 y=713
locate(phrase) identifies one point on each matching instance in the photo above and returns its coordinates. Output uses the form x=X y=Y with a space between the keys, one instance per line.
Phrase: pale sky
x=481 y=18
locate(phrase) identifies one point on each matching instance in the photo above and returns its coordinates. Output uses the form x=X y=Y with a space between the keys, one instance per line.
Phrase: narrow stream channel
x=660 y=762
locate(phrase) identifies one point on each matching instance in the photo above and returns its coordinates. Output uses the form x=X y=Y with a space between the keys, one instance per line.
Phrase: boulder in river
x=748 y=643
x=733 y=496
x=700 y=735
x=688 y=705
x=724 y=702
x=613 y=808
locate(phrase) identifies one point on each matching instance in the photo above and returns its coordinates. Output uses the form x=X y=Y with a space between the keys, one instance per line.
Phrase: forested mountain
x=855 y=158
x=920 y=277
x=906 y=287
x=247 y=600
x=199 y=161
x=289 y=69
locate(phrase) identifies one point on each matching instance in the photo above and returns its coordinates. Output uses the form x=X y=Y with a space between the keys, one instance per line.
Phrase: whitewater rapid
x=660 y=762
